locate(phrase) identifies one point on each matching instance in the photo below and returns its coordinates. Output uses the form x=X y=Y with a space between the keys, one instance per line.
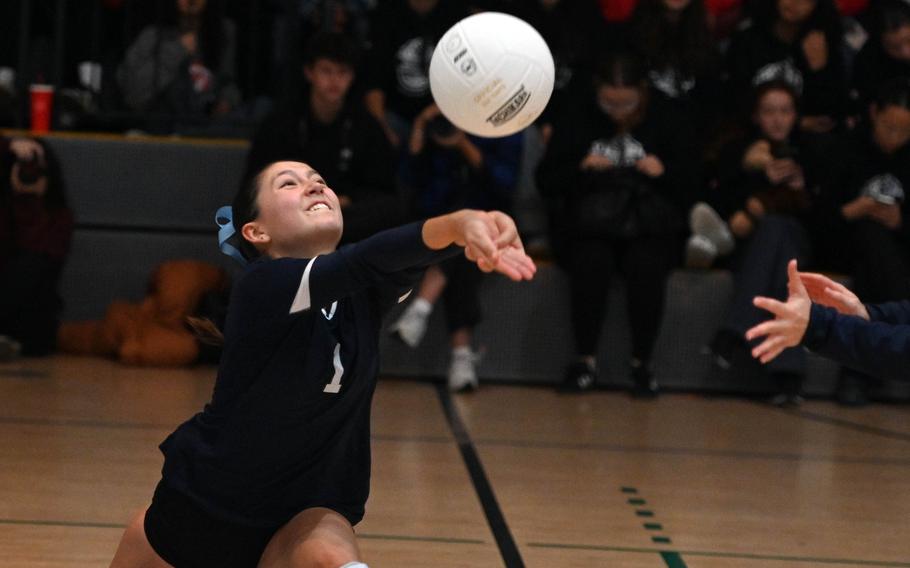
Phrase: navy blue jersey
x=288 y=426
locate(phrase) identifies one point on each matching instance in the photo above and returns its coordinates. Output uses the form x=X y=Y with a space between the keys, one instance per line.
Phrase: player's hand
x=741 y=224
x=651 y=166
x=822 y=290
x=491 y=240
x=791 y=318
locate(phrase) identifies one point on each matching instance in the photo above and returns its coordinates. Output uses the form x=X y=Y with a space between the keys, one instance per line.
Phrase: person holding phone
x=861 y=230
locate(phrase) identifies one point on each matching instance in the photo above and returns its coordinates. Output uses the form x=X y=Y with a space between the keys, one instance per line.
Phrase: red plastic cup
x=42 y=99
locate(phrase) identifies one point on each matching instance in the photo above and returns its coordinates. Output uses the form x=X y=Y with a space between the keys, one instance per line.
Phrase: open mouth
x=318 y=207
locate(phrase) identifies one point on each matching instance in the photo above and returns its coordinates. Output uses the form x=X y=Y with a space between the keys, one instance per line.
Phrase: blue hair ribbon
x=224 y=217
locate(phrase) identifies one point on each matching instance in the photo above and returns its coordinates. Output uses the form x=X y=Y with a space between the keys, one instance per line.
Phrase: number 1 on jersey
x=335 y=386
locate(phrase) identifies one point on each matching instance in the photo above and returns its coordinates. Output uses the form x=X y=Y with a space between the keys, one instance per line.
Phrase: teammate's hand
x=791 y=318
x=822 y=290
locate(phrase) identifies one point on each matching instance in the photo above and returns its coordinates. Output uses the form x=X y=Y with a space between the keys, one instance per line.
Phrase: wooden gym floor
x=508 y=476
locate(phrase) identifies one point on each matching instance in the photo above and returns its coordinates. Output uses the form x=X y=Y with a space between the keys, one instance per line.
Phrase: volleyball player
x=275 y=471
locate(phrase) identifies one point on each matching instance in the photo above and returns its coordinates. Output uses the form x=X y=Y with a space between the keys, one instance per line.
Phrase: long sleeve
x=876 y=348
x=897 y=313
x=296 y=285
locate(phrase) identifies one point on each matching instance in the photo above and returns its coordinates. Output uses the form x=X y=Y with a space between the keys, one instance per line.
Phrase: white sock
x=421 y=307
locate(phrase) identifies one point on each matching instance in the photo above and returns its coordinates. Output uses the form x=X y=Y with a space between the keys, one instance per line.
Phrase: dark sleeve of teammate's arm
x=367 y=263
x=897 y=313
x=873 y=347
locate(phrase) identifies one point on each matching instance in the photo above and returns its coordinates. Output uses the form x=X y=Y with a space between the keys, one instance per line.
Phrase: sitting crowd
x=692 y=133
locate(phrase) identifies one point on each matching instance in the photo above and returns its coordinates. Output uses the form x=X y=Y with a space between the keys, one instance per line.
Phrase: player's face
x=896 y=43
x=299 y=215
x=776 y=115
x=890 y=127
x=795 y=11
x=329 y=80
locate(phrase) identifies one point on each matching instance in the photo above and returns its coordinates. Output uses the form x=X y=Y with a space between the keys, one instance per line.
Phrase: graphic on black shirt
x=622 y=150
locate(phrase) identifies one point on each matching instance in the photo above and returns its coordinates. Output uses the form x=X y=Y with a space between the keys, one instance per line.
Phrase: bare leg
x=432 y=285
x=462 y=337
x=134 y=550
x=315 y=538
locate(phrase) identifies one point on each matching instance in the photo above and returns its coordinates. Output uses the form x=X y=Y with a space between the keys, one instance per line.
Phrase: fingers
x=769 y=349
x=508 y=232
x=794 y=283
x=769 y=327
x=770 y=304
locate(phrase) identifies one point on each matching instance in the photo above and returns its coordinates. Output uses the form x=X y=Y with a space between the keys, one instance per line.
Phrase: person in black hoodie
x=861 y=229
x=329 y=128
x=36 y=229
x=404 y=33
x=573 y=30
x=798 y=41
x=886 y=54
x=614 y=183
x=764 y=193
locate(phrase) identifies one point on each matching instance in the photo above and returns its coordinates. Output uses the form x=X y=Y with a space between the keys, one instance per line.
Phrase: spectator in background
x=763 y=193
x=798 y=41
x=862 y=229
x=886 y=54
x=404 y=33
x=612 y=178
x=329 y=128
x=36 y=228
x=672 y=38
x=184 y=64
x=454 y=170
x=572 y=30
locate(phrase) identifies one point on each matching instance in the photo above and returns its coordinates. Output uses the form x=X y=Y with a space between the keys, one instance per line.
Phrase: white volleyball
x=491 y=74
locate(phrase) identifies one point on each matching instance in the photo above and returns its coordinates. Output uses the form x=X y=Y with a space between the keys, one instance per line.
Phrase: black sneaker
x=644 y=385
x=789 y=387
x=579 y=377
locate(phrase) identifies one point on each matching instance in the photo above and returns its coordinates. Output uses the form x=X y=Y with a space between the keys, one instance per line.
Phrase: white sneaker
x=704 y=221
x=700 y=252
x=411 y=326
x=462 y=374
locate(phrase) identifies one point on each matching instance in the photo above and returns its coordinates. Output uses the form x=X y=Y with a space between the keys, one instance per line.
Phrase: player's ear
x=255 y=233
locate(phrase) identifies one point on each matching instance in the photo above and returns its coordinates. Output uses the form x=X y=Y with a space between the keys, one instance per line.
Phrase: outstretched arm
x=489 y=239
x=876 y=348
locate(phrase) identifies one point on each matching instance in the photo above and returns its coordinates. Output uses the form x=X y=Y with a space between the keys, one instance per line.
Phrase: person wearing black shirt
x=615 y=179
x=797 y=41
x=329 y=128
x=404 y=33
x=886 y=54
x=275 y=470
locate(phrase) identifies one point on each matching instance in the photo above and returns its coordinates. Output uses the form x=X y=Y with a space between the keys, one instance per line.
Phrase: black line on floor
x=507 y=547
x=856 y=426
x=712 y=554
x=368 y=536
x=444 y=540
x=698 y=452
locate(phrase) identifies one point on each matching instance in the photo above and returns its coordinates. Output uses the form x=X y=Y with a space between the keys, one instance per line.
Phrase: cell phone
x=784 y=152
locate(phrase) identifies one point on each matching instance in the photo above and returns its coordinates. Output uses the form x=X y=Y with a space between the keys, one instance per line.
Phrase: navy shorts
x=186 y=536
